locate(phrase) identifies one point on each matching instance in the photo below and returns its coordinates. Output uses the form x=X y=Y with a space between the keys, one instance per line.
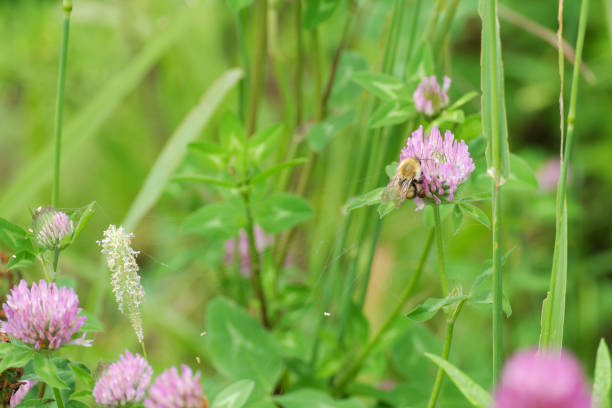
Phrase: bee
x=407 y=183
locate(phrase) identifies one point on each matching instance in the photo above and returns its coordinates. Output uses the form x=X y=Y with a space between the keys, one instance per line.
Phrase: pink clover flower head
x=43 y=316
x=21 y=392
x=262 y=241
x=542 y=380
x=429 y=98
x=445 y=162
x=173 y=389
x=123 y=382
x=51 y=227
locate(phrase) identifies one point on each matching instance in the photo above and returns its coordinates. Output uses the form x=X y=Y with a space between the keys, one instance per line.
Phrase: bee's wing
x=391 y=193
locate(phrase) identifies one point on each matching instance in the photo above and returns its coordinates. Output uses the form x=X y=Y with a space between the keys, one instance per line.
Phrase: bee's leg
x=419 y=191
x=408 y=191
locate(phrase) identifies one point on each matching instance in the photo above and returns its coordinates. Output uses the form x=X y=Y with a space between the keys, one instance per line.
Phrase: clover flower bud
x=52 y=228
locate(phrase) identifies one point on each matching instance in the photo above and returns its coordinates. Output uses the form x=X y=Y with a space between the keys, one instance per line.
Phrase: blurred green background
x=182 y=47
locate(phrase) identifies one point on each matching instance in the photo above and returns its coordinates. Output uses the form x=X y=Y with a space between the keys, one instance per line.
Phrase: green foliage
x=239 y=347
x=174 y=151
x=306 y=398
x=234 y=395
x=602 y=377
x=473 y=392
x=431 y=306
x=282 y=211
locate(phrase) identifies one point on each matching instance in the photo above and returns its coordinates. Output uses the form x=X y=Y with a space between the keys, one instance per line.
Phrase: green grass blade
x=494 y=124
x=84 y=126
x=473 y=392
x=602 y=377
x=553 y=310
x=176 y=147
x=495 y=128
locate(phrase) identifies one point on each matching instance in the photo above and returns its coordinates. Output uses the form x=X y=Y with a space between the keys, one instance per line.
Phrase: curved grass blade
x=169 y=159
x=36 y=173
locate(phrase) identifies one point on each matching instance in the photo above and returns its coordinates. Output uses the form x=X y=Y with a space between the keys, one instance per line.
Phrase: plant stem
x=448 y=338
x=556 y=306
x=255 y=263
x=497 y=317
x=366 y=279
x=144 y=350
x=58 y=398
x=258 y=65
x=41 y=390
x=59 y=106
x=299 y=67
x=440 y=247
x=244 y=62
x=56 y=254
x=319 y=114
x=353 y=369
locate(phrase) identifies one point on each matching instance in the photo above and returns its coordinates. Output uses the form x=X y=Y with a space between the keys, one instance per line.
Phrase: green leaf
x=391 y=113
x=35 y=174
x=463 y=100
x=35 y=403
x=477 y=146
x=239 y=347
x=276 y=169
x=522 y=173
x=14 y=355
x=234 y=395
x=385 y=208
x=457 y=217
x=76 y=404
x=386 y=87
x=494 y=124
x=21 y=259
x=215 y=221
x=92 y=324
x=82 y=373
x=486 y=297
x=232 y=133
x=447 y=117
x=83 y=215
x=470 y=129
x=263 y=142
x=473 y=392
x=237 y=5
x=602 y=377
x=322 y=133
x=318 y=11
x=370 y=198
x=46 y=370
x=311 y=398
x=203 y=179
x=345 y=91
x=476 y=213
x=209 y=155
x=282 y=211
x=431 y=306
x=553 y=308
x=175 y=149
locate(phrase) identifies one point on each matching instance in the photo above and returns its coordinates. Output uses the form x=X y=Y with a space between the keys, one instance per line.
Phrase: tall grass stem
x=261 y=18
x=59 y=105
